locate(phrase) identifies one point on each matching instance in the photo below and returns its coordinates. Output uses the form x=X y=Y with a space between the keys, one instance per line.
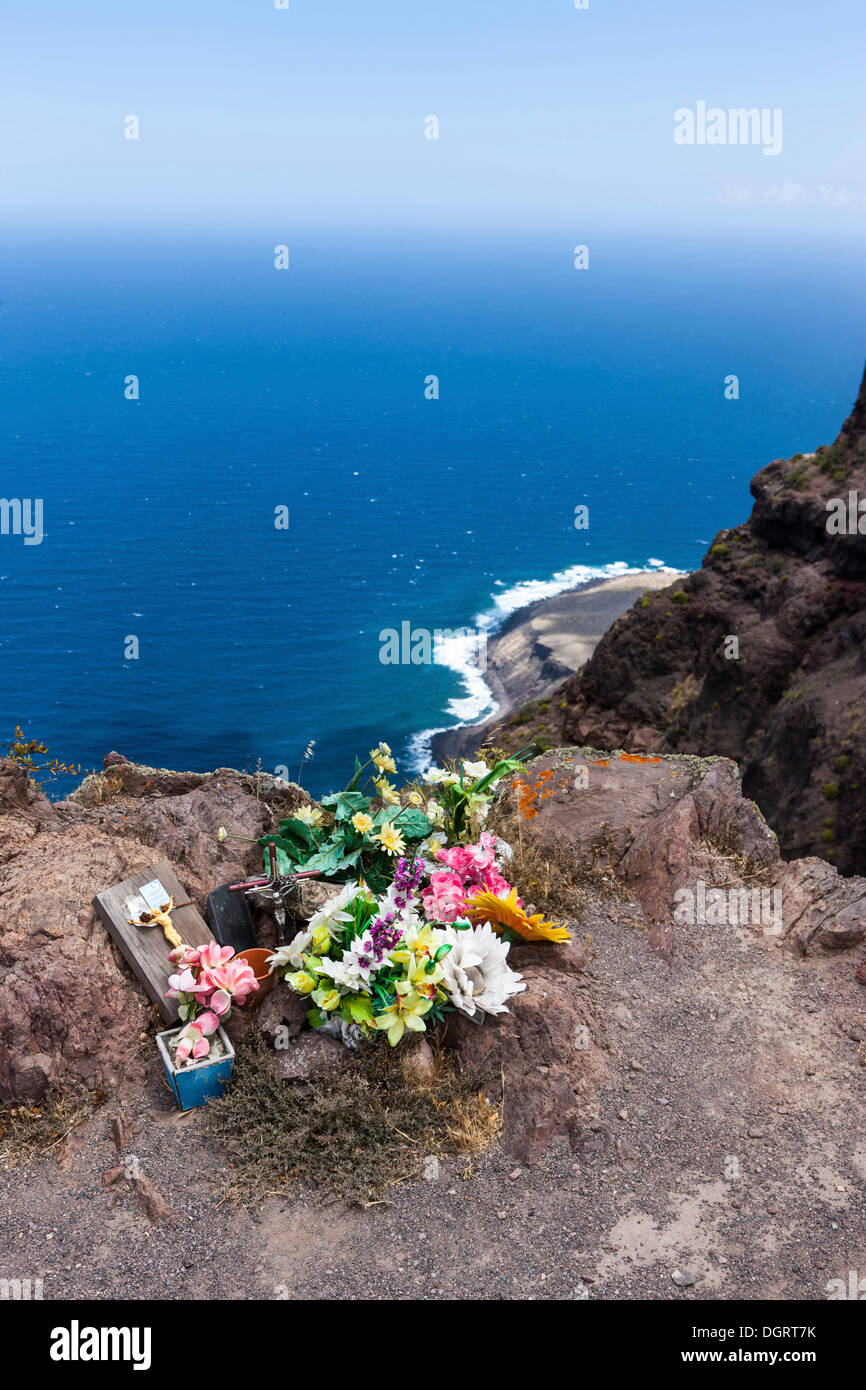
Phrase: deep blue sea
x=305 y=389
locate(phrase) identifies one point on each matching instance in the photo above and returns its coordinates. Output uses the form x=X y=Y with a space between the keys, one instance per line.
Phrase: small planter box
x=200 y=1081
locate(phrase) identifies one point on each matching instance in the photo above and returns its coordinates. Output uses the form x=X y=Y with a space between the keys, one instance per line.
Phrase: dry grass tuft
x=29 y=1132
x=347 y=1134
x=725 y=844
x=548 y=875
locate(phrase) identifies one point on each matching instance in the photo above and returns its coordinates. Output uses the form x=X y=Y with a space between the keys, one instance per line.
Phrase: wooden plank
x=145 y=948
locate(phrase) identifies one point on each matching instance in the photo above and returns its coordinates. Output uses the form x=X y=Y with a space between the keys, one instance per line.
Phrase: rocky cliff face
x=71 y=1011
x=758 y=656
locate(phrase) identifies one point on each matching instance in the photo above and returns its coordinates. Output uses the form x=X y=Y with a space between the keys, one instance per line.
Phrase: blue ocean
x=304 y=389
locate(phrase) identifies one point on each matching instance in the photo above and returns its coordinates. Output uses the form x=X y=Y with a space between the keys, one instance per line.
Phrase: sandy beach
x=542 y=644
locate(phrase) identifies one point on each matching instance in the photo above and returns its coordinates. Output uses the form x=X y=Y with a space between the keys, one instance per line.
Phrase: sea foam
x=459 y=652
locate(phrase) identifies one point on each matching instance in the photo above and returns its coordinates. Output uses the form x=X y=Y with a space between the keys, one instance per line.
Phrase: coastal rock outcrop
x=70 y=1009
x=758 y=655
x=649 y=826
x=663 y=824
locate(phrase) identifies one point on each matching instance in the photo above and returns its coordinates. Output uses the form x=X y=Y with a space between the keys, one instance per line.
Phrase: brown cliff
x=789 y=706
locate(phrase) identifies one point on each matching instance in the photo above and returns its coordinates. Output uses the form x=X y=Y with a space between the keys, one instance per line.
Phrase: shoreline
x=541 y=644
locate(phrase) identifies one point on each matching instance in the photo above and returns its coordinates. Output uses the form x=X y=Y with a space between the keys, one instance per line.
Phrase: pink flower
x=205 y=985
x=187 y=957
x=212 y=955
x=457 y=858
x=214 y=976
x=190 y=1038
x=443 y=897
x=201 y=1048
x=240 y=980
x=493 y=882
x=180 y=984
x=470 y=862
x=207 y=1022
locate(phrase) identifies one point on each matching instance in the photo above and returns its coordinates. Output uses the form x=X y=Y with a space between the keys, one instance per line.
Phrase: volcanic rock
x=786 y=700
x=70 y=1009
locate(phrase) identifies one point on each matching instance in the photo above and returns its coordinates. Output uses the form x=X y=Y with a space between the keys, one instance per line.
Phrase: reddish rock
x=661 y=823
x=789 y=708
x=69 y=1006
x=821 y=909
x=282 y=1014
x=549 y=1047
x=645 y=816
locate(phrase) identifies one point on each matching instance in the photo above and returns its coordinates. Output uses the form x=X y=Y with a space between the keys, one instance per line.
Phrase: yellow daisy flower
x=391 y=840
x=381 y=756
x=387 y=791
x=504 y=912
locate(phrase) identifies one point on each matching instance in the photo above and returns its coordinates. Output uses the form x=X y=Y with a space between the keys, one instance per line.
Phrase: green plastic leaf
x=361 y=1009
x=293 y=847
x=298 y=829
x=285 y=865
x=413 y=824
x=349 y=861
x=348 y=804
x=327 y=859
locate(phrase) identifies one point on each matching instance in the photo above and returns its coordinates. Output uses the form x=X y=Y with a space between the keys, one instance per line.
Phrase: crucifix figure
x=275 y=890
x=160 y=917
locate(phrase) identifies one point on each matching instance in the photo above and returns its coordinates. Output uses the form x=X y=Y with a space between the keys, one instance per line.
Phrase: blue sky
x=549 y=117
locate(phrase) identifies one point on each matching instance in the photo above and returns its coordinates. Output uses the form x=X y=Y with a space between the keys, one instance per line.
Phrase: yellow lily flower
x=406 y=1012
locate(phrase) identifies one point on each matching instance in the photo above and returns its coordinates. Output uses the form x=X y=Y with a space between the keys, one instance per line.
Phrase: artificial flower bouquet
x=374 y=965
x=427 y=921
x=369 y=827
x=208 y=981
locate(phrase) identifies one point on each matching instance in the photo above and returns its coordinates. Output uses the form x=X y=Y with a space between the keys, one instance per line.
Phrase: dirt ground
x=730 y=1163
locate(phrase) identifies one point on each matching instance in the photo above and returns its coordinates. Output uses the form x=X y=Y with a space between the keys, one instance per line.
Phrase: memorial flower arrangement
x=425 y=919
x=366 y=827
x=374 y=965
x=470 y=884
x=208 y=981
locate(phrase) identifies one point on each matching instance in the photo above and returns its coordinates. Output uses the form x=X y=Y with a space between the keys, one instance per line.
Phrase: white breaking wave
x=459 y=652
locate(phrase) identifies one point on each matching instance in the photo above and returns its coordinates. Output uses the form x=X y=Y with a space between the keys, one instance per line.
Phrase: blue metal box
x=200 y=1081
